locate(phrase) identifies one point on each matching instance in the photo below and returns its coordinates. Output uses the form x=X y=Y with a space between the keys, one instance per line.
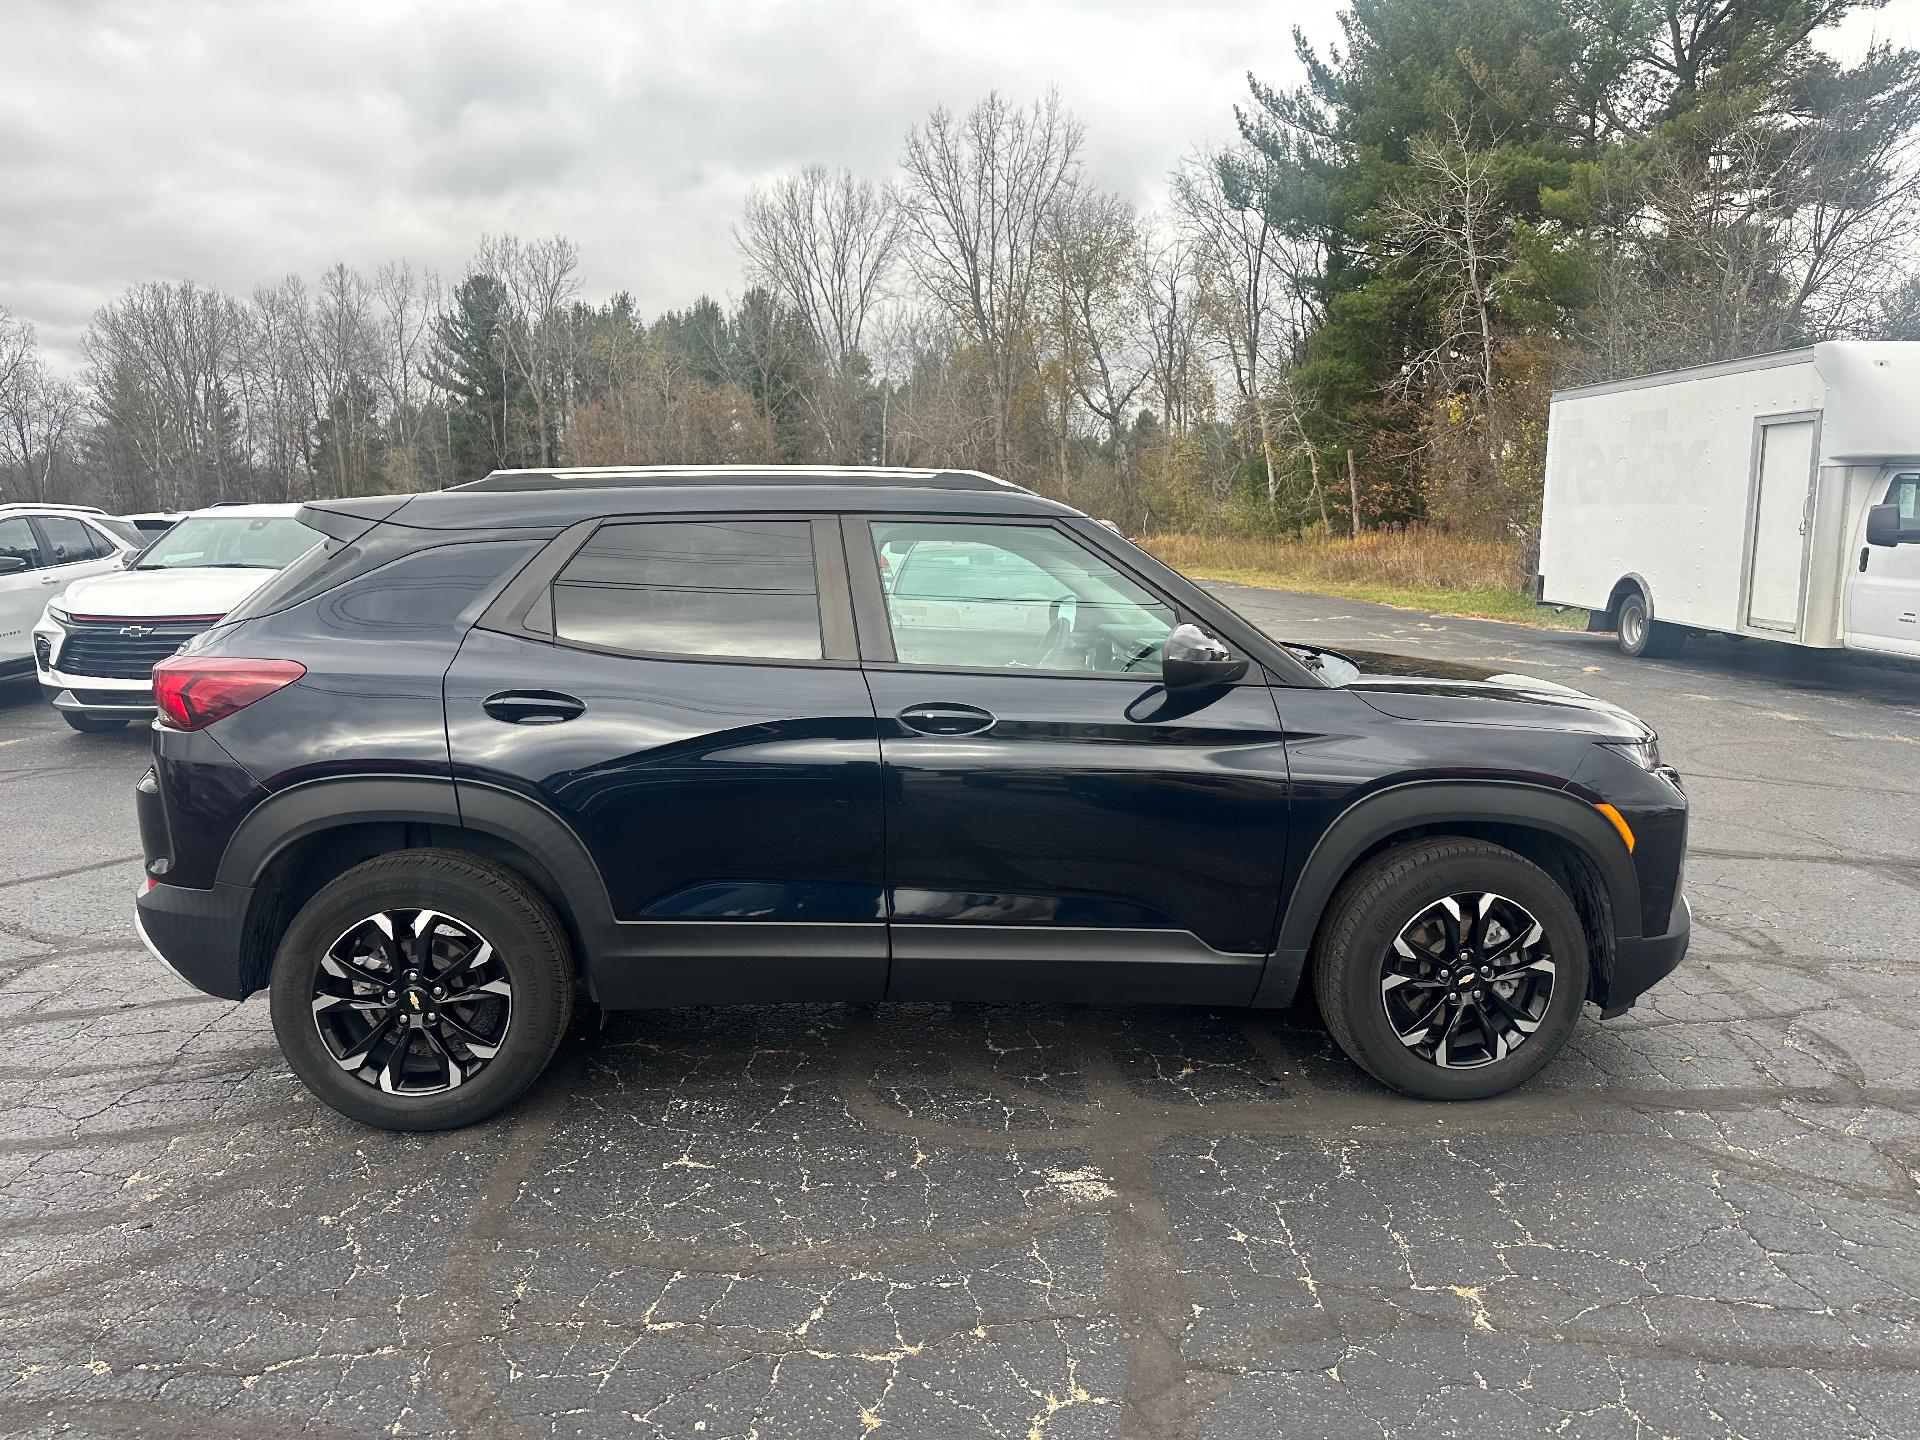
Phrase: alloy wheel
x=414 y=1002
x=1468 y=980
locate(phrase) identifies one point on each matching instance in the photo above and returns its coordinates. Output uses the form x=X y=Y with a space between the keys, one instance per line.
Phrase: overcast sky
x=230 y=143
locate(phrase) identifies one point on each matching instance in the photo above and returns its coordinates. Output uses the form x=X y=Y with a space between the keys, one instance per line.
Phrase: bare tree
x=542 y=278
x=979 y=192
x=406 y=300
x=1449 y=220
x=1092 y=238
x=1249 y=278
x=825 y=243
x=39 y=416
x=277 y=384
x=1164 y=284
x=163 y=370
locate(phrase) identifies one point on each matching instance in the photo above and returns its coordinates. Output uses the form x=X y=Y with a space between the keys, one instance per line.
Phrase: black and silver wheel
x=1451 y=969
x=1468 y=980
x=412 y=1001
x=422 y=990
x=1640 y=635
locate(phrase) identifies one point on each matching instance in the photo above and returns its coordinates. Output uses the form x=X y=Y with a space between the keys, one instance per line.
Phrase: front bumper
x=198 y=934
x=80 y=697
x=77 y=694
x=1644 y=961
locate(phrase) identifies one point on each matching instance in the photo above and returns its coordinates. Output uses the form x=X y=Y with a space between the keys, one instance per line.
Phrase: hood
x=151 y=594
x=1411 y=687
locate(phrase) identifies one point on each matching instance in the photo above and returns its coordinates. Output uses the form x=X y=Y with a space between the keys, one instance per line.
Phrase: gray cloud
x=233 y=143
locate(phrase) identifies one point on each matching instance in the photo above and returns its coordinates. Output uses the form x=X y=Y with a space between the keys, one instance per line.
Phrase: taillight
x=193 y=693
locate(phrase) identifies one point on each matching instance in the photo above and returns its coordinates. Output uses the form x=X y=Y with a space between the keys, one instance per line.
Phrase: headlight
x=54 y=612
x=1644 y=753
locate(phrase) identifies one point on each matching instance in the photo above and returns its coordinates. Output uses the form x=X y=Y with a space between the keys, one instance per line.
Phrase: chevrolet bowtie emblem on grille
x=134 y=632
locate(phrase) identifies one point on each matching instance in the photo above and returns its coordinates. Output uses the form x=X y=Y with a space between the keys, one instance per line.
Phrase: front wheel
x=1451 y=969
x=422 y=990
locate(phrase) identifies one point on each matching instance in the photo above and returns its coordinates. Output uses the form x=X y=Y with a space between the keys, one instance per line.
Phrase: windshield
x=230 y=542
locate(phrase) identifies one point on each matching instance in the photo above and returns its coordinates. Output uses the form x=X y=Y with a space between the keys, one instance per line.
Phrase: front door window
x=1013 y=597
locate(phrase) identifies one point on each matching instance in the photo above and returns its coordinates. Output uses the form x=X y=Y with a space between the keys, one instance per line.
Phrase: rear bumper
x=1641 y=963
x=198 y=934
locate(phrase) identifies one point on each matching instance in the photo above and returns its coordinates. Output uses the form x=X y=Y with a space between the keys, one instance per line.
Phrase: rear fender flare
x=319 y=805
x=1430 y=806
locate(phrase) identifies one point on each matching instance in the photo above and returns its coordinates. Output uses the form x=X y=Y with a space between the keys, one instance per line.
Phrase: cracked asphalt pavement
x=1066 y=1222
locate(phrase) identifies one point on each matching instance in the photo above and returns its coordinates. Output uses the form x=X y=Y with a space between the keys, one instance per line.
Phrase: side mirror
x=1883 y=525
x=1193 y=659
x=11 y=564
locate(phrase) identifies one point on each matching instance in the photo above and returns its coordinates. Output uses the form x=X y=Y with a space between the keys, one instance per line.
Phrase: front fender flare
x=1431 y=806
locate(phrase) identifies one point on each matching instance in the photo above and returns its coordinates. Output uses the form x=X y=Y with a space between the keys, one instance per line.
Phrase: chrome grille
x=123 y=649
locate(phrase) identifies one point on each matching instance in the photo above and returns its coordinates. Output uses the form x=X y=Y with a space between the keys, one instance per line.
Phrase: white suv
x=97 y=645
x=43 y=550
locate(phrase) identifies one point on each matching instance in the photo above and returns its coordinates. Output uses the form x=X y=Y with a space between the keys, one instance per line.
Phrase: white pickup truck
x=1776 y=497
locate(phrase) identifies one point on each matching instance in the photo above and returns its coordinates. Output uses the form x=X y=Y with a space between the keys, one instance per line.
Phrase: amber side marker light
x=1619 y=823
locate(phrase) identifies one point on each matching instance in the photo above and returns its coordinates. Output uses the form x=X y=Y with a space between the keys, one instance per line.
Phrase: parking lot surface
x=1065 y=1222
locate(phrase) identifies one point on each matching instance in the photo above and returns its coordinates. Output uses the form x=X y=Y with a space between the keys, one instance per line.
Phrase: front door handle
x=532 y=707
x=942 y=718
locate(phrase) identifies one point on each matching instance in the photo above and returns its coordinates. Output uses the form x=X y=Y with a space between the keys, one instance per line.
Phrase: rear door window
x=68 y=540
x=734 y=588
x=17 y=539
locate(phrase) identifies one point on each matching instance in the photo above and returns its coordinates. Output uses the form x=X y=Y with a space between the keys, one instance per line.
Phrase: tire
x=1382 y=904
x=1640 y=635
x=94 y=724
x=478 y=904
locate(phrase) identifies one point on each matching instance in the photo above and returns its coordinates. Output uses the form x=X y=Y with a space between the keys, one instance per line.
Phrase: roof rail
x=746 y=476
x=51 y=505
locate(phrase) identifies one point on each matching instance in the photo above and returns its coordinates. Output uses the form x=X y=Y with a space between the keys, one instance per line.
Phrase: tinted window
x=1013 y=597
x=132 y=534
x=68 y=540
x=17 y=539
x=701 y=587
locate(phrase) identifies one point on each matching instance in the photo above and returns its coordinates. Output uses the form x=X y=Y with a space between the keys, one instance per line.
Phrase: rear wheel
x=1640 y=635
x=422 y=990
x=94 y=724
x=1451 y=969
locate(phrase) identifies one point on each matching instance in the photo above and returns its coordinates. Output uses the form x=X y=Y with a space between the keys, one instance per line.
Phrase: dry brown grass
x=1421 y=568
x=1410 y=559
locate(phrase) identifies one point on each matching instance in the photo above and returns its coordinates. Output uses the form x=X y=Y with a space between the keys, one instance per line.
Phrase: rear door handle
x=532 y=707
x=946 y=719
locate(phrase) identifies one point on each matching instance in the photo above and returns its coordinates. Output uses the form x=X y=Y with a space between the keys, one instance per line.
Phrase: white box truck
x=1776 y=497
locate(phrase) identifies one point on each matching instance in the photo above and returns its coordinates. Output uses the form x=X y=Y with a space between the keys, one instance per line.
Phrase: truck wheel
x=93 y=724
x=422 y=990
x=1451 y=969
x=1640 y=635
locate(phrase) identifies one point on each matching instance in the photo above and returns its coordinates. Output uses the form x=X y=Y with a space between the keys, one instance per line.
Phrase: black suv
x=709 y=736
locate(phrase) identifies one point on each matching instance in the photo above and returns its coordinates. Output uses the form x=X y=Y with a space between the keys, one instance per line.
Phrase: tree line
x=1351 y=315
